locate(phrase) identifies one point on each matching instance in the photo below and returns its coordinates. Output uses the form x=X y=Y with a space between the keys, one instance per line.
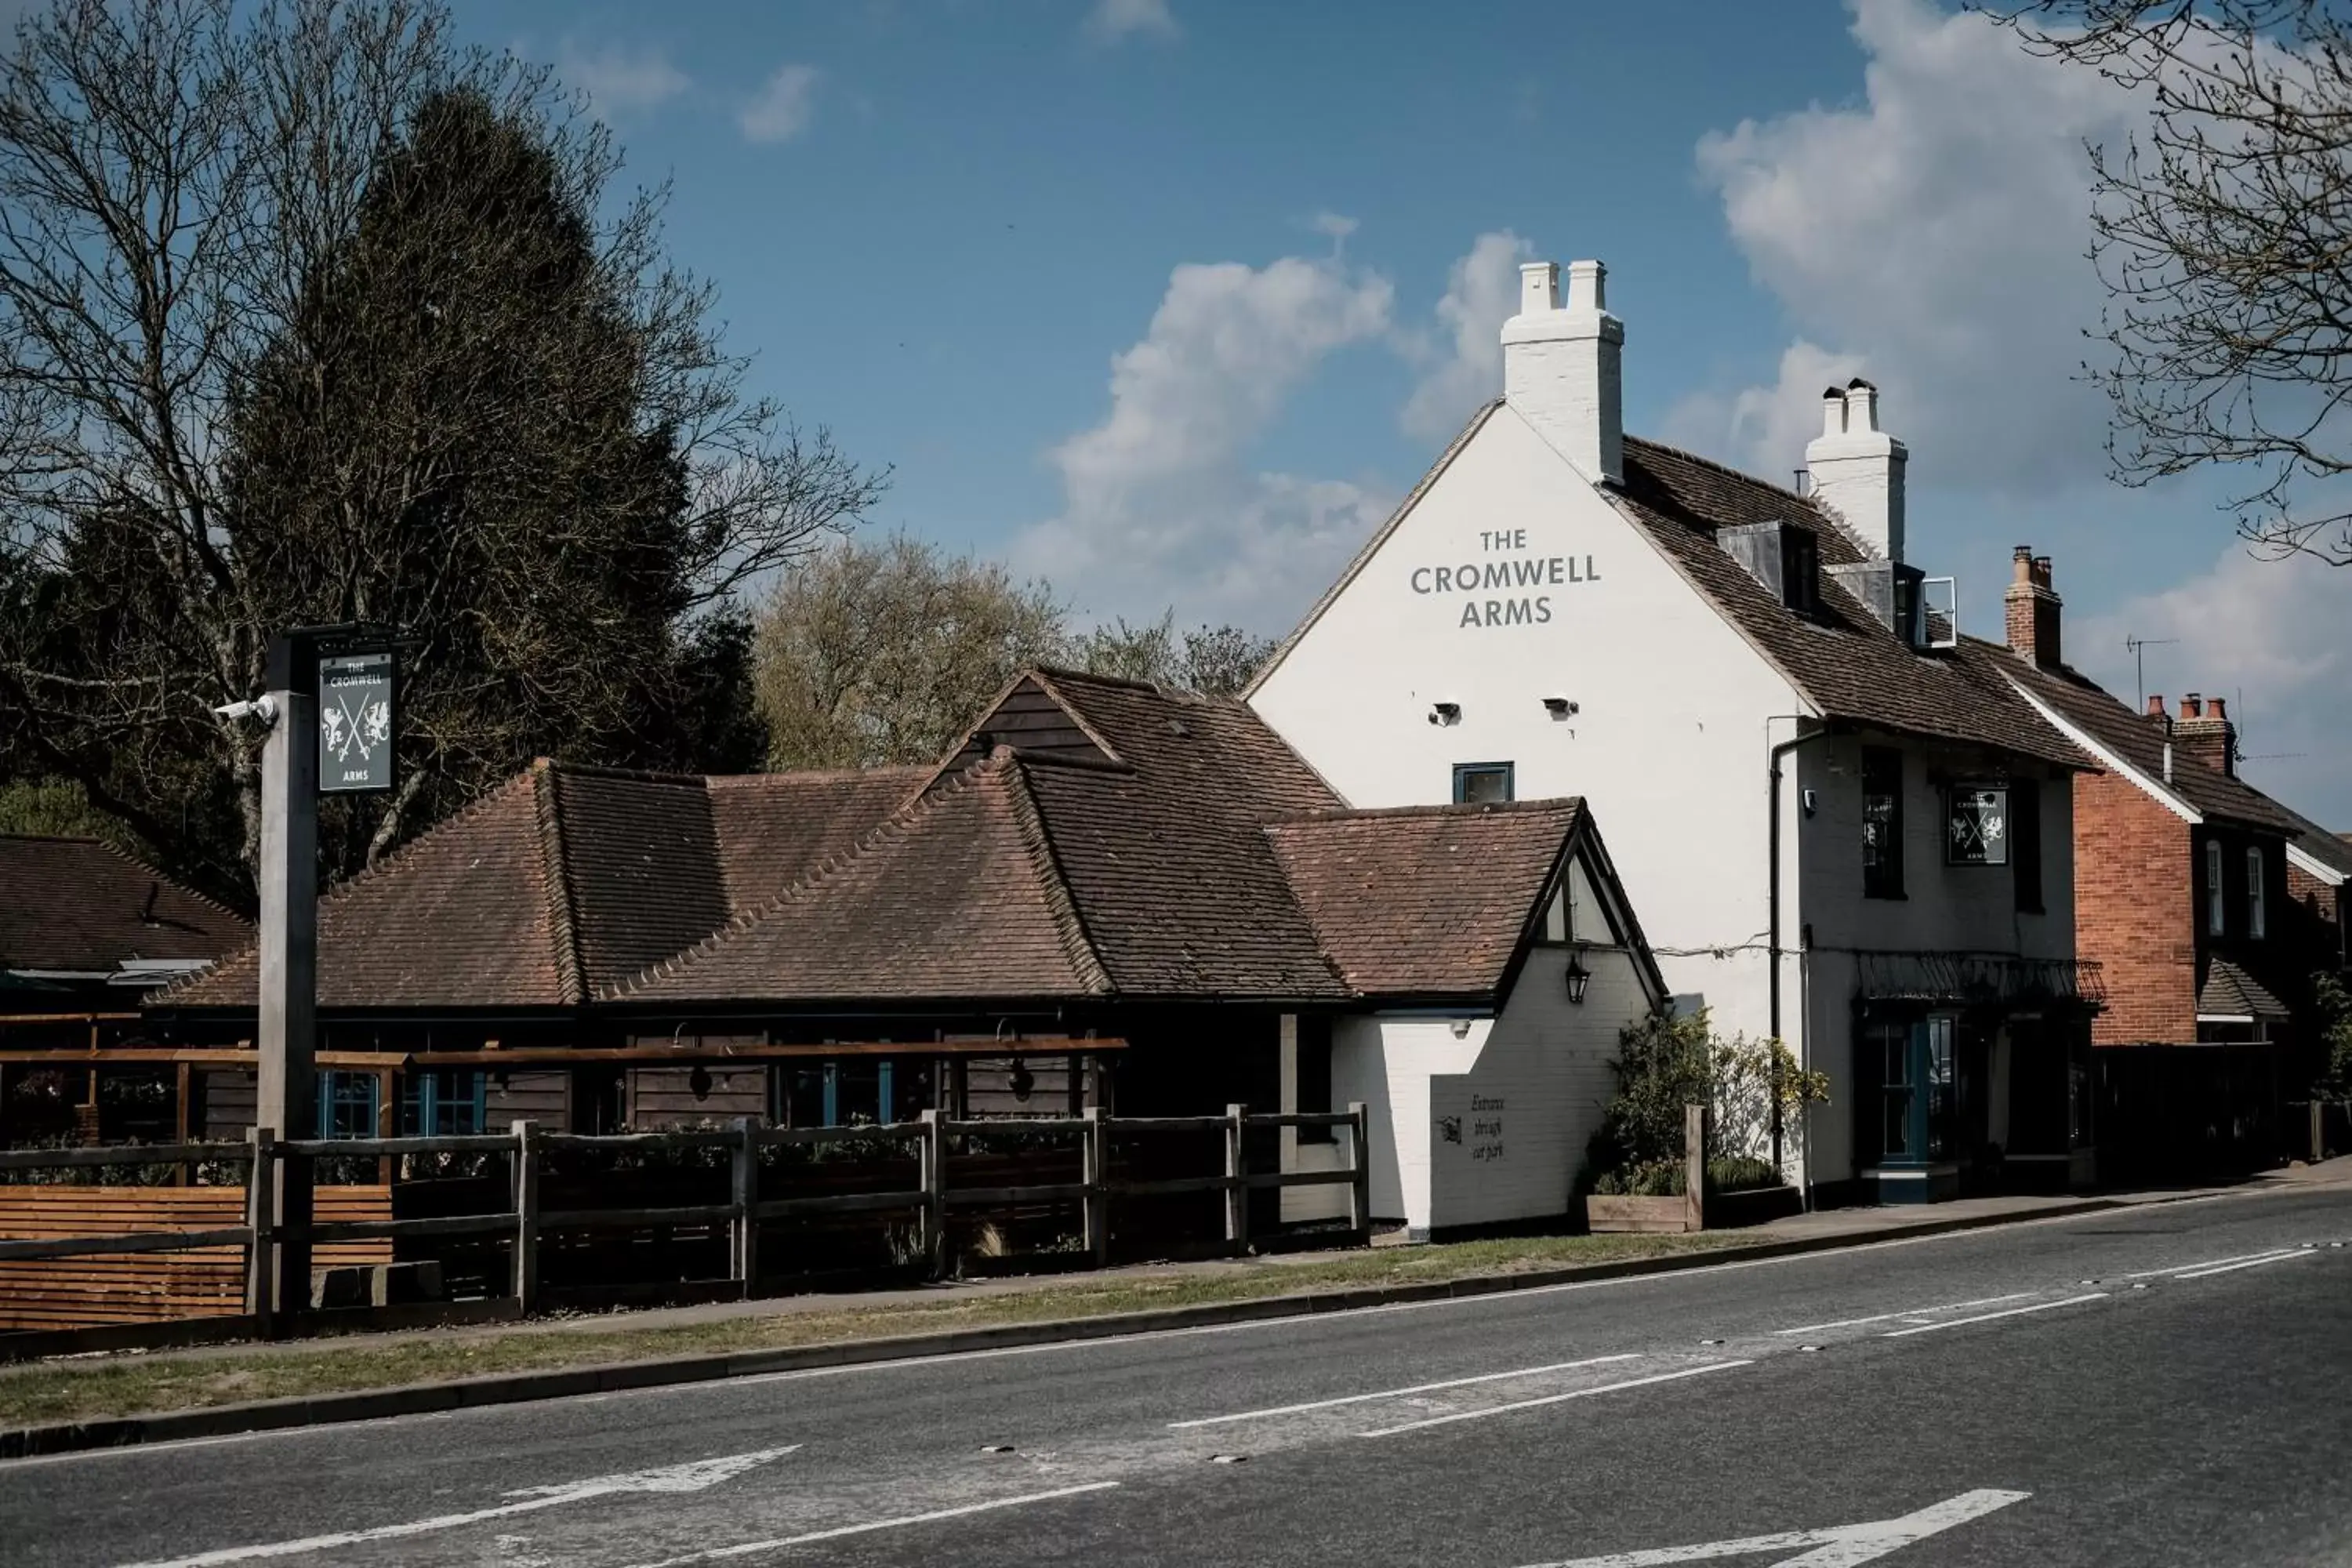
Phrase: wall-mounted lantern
x=1578 y=977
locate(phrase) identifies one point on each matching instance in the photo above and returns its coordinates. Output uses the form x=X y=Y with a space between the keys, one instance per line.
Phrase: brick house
x=2208 y=904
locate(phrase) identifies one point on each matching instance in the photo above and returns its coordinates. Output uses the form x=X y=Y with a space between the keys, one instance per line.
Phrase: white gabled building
x=1840 y=826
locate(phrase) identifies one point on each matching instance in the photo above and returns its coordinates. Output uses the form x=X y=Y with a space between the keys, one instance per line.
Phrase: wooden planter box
x=1617 y=1215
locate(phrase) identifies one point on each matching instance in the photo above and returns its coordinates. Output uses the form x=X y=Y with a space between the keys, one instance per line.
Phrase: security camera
x=1445 y=713
x=1813 y=803
x=1561 y=707
x=264 y=707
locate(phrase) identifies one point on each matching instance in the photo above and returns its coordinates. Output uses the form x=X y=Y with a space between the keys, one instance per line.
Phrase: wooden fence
x=344 y=1229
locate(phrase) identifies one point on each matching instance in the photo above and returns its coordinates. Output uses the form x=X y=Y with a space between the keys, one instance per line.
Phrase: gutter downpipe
x=1774 y=752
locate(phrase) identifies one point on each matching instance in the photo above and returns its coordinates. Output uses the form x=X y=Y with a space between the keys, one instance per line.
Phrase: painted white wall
x=1675 y=712
x=1668 y=745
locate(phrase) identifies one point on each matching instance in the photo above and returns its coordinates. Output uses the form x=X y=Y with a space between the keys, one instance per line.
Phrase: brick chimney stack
x=2206 y=735
x=2034 y=606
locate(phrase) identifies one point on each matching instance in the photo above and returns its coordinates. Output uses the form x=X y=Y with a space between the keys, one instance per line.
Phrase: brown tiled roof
x=774 y=828
x=2333 y=850
x=1847 y=662
x=2138 y=740
x=564 y=882
x=953 y=897
x=84 y=906
x=1426 y=899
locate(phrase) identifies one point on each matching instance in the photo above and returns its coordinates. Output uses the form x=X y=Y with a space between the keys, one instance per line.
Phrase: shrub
x=1667 y=1061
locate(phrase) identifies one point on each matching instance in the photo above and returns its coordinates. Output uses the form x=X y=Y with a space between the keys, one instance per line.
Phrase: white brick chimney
x=1857 y=469
x=1561 y=367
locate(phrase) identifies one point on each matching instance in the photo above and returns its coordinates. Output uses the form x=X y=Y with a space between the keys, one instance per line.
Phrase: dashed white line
x=2243 y=1263
x=1988 y=1317
x=2175 y=1270
x=1913 y=1313
x=1397 y=1393
x=748 y=1548
x=1554 y=1398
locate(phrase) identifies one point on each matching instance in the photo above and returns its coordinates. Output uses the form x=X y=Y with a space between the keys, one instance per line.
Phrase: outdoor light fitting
x=1561 y=707
x=1578 y=977
x=1445 y=713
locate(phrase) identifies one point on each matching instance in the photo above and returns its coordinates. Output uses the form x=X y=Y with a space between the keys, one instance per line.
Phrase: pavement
x=2150 y=1385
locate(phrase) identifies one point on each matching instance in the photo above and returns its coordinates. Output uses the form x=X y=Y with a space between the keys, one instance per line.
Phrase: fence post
x=1694 y=1166
x=1359 y=1181
x=1095 y=1161
x=261 y=1216
x=526 y=1208
x=1236 y=1188
x=747 y=1205
x=932 y=1150
x=2318 y=1129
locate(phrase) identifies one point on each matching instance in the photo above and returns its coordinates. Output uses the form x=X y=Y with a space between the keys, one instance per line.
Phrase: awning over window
x=1977 y=979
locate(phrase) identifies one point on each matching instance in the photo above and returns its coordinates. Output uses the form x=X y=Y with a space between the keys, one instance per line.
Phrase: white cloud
x=1112 y=20
x=784 y=106
x=1335 y=227
x=619 y=79
x=1933 y=236
x=1161 y=500
x=2269 y=636
x=1466 y=369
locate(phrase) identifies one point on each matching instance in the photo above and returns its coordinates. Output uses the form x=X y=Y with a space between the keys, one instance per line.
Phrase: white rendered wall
x=1531 y=1101
x=1668 y=745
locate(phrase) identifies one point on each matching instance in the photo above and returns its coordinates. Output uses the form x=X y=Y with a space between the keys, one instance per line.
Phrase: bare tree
x=882 y=652
x=2223 y=234
x=310 y=315
x=1217 y=661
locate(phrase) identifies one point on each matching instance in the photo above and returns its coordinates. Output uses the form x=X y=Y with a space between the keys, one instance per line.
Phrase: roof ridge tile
x=556 y=883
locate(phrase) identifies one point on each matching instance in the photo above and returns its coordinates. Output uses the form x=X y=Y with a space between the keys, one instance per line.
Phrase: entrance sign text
x=355 y=723
x=1514 y=571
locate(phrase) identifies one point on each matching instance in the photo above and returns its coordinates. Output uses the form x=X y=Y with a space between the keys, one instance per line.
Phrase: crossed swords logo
x=344 y=732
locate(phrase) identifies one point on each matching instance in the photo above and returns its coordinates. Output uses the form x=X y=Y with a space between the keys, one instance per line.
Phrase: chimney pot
x=1563 y=367
x=2192 y=706
x=2156 y=706
x=2023 y=569
x=1834 y=412
x=2217 y=708
x=1539 y=288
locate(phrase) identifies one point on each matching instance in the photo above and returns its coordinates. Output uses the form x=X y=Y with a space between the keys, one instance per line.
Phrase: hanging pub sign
x=355 y=697
x=1976 y=830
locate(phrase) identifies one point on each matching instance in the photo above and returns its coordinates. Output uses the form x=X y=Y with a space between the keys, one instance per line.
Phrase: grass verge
x=84 y=1388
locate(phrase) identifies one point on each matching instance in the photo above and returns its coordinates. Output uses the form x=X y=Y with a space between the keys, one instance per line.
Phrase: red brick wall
x=2135 y=908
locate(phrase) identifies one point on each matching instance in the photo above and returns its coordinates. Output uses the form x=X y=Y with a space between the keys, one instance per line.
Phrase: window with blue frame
x=349 y=1104
x=444 y=1102
x=1483 y=783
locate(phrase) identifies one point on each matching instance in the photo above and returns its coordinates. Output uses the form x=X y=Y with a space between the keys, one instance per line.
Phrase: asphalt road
x=2170 y=1384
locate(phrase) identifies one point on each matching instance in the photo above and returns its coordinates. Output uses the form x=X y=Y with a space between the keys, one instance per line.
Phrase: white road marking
x=2233 y=1268
x=1988 y=1317
x=1554 y=1398
x=687 y=1477
x=747 y=1548
x=1397 y=1393
x=1841 y=1547
x=2176 y=1270
x=1913 y=1313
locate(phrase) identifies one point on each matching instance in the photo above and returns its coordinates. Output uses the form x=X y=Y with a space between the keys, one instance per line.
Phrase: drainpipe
x=1774 y=752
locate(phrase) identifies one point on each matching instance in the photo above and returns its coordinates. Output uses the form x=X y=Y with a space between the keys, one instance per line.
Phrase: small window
x=2256 y=924
x=444 y=1102
x=2025 y=842
x=1881 y=823
x=1482 y=783
x=2216 y=912
x=347 y=1104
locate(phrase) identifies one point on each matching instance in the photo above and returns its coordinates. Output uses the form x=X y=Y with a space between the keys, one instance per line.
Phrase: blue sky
x=1169 y=300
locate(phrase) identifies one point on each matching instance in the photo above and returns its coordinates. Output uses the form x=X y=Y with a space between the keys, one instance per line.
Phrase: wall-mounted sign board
x=355 y=723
